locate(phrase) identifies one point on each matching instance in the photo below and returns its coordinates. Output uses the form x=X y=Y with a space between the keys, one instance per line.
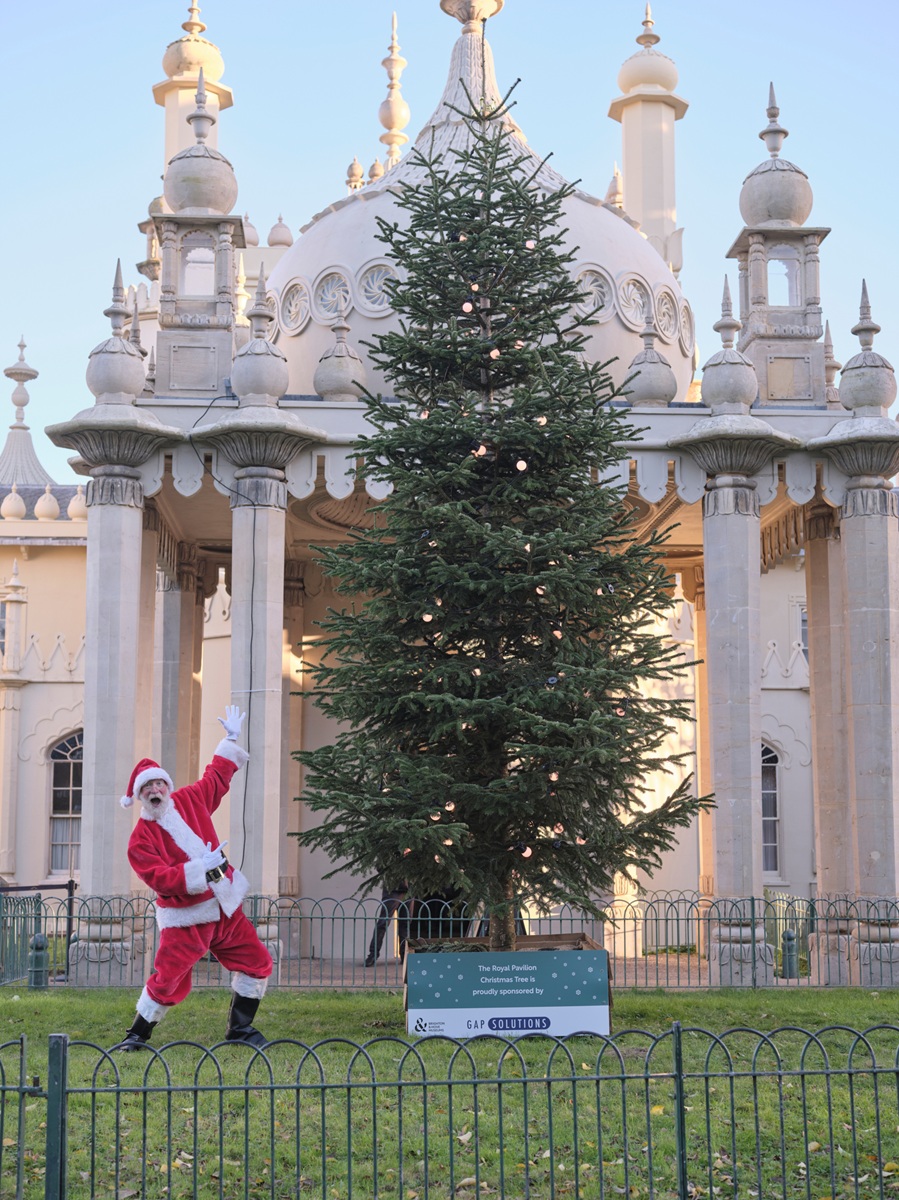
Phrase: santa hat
x=144 y=772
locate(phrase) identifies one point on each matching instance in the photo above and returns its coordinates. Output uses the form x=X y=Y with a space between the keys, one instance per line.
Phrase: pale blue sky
x=83 y=140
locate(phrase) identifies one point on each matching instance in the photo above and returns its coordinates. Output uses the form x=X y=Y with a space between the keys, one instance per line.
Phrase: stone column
x=148 y=697
x=258 y=505
x=834 y=853
x=291 y=724
x=201 y=594
x=177 y=601
x=10 y=710
x=114 y=528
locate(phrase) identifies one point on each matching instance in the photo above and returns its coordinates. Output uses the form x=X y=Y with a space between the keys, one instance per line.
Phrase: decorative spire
x=375 y=171
x=241 y=295
x=150 y=384
x=118 y=309
x=340 y=374
x=394 y=113
x=728 y=326
x=193 y=24
x=355 y=176
x=774 y=133
x=655 y=382
x=260 y=314
x=200 y=120
x=831 y=366
x=20 y=373
x=866 y=328
x=134 y=335
x=615 y=192
x=647 y=38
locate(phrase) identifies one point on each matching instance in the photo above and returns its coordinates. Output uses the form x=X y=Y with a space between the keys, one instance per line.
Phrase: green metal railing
x=682 y=1114
x=670 y=940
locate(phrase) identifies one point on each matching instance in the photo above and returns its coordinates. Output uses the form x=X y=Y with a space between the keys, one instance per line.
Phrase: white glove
x=232 y=722
x=213 y=858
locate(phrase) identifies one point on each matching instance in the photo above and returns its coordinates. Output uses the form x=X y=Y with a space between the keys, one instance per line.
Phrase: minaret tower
x=780 y=285
x=182 y=62
x=647 y=110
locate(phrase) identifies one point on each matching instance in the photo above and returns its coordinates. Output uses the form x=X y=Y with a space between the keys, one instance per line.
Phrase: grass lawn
x=781 y=1116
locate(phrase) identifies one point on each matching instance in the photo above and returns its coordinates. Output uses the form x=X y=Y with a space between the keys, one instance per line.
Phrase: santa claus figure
x=175 y=851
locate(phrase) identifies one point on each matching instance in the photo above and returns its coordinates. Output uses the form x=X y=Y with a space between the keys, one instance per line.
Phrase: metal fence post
x=680 y=1115
x=56 y=1143
x=752 y=946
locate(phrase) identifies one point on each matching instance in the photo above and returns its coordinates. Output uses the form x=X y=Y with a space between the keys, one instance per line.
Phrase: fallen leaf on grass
x=813 y=1146
x=465 y=1138
x=657 y=1110
x=891 y=1166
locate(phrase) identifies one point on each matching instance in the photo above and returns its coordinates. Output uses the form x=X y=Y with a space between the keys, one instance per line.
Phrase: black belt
x=218 y=872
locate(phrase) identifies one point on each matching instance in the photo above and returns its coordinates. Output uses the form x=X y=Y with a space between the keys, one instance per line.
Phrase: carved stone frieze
x=115 y=485
x=152 y=519
x=820 y=521
x=259 y=487
x=294 y=584
x=870 y=501
x=729 y=496
x=782 y=537
x=187 y=566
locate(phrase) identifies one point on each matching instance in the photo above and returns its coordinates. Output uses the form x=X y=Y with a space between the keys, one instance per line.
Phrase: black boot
x=240 y=1022
x=138 y=1035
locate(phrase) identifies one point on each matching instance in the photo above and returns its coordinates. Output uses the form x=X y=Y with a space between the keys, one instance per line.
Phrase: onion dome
x=279 y=234
x=648 y=68
x=115 y=370
x=355 y=175
x=375 y=171
x=259 y=372
x=776 y=195
x=13 y=506
x=47 y=506
x=200 y=181
x=77 y=507
x=729 y=382
x=868 y=381
x=340 y=374
x=655 y=383
x=191 y=54
x=157 y=207
x=250 y=233
x=18 y=459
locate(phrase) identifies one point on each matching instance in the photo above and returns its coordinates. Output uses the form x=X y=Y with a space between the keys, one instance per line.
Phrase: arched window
x=784 y=278
x=770 y=810
x=65 y=805
x=197 y=265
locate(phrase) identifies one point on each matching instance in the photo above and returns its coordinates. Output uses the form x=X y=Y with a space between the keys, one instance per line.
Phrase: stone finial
x=831 y=367
x=193 y=24
x=868 y=381
x=647 y=37
x=20 y=373
x=150 y=381
x=13 y=506
x=250 y=233
x=115 y=371
x=47 y=506
x=394 y=112
x=259 y=374
x=774 y=133
x=655 y=383
x=200 y=120
x=241 y=295
x=355 y=176
x=77 y=507
x=729 y=384
x=375 y=171
x=615 y=191
x=340 y=374
x=134 y=333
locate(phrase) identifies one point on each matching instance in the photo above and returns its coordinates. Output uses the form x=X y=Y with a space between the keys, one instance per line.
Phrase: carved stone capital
x=731 y=496
x=152 y=519
x=187 y=566
x=251 y=447
x=869 y=457
x=259 y=487
x=11 y=694
x=115 y=485
x=869 y=497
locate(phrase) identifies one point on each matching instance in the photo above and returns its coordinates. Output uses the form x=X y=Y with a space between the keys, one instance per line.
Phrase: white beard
x=155 y=812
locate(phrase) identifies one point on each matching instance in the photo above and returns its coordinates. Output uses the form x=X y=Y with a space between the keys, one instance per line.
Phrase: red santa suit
x=195 y=917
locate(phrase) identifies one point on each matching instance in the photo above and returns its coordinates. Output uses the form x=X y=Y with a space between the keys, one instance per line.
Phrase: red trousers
x=232 y=940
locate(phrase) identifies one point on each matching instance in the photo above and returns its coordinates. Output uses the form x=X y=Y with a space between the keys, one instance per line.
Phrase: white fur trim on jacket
x=195 y=876
x=234 y=753
x=230 y=892
x=193 y=914
x=246 y=985
x=148 y=1008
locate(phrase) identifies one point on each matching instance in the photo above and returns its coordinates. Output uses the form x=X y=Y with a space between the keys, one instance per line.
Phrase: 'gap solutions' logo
x=510 y=1024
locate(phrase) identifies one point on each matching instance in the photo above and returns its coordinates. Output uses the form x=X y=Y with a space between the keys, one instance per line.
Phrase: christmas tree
x=493 y=679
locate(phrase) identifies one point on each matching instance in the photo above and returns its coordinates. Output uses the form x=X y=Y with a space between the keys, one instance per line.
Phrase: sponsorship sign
x=507 y=994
